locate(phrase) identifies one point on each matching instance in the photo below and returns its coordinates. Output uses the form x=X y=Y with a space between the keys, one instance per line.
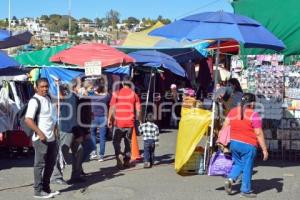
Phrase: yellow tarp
x=142 y=39
x=193 y=125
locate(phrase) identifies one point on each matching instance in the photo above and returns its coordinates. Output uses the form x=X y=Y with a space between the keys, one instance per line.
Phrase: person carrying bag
x=246 y=135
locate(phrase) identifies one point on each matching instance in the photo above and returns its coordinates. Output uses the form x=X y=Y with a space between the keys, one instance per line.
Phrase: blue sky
x=172 y=9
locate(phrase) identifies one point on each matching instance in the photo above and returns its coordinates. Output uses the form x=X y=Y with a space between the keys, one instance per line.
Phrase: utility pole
x=9 y=20
x=69 y=11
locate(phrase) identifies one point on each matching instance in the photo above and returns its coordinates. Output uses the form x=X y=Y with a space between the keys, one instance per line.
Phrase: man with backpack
x=40 y=117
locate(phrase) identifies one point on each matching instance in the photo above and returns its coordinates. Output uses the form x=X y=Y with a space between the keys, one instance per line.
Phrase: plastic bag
x=224 y=136
x=220 y=164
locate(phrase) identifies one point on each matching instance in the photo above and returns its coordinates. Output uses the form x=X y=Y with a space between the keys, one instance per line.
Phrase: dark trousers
x=65 y=143
x=44 y=161
x=118 y=135
x=149 y=148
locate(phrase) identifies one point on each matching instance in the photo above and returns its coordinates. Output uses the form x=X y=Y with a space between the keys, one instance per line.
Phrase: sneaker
x=147 y=165
x=42 y=195
x=93 y=157
x=120 y=161
x=53 y=193
x=248 y=195
x=228 y=186
x=101 y=159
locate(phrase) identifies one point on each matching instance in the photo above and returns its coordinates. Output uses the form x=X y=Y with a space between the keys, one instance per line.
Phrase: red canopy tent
x=79 y=54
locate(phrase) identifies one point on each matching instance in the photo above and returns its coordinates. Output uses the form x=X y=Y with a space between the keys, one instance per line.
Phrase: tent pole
x=211 y=136
x=214 y=102
x=148 y=93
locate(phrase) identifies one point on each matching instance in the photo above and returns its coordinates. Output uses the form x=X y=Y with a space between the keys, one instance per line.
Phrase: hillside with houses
x=56 y=29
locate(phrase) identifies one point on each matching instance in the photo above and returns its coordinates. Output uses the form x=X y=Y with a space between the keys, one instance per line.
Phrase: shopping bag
x=220 y=164
x=224 y=136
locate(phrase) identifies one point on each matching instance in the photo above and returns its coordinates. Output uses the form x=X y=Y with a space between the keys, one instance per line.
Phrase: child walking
x=150 y=133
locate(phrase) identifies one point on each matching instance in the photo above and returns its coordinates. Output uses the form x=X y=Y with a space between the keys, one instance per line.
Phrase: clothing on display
x=13 y=95
x=8 y=109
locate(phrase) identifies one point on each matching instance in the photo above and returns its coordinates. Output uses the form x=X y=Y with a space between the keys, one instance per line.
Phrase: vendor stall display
x=277 y=88
x=220 y=26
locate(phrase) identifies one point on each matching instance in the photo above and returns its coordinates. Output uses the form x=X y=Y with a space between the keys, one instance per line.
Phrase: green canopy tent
x=279 y=17
x=40 y=57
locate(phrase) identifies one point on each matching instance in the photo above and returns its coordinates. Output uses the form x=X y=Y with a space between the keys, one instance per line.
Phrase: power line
x=203 y=6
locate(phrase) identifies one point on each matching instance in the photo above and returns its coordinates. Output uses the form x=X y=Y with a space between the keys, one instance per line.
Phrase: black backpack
x=20 y=116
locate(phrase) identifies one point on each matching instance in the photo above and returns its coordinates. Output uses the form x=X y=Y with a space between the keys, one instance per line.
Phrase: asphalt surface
x=272 y=179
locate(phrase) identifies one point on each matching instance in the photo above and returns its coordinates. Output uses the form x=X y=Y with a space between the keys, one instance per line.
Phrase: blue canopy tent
x=122 y=70
x=55 y=72
x=156 y=59
x=181 y=55
x=6 y=61
x=4 y=34
x=16 y=39
x=9 y=66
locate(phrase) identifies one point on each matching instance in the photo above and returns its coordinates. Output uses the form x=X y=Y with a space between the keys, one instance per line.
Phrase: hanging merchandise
x=267 y=80
x=292 y=82
x=238 y=71
x=237 y=65
x=8 y=109
x=277 y=88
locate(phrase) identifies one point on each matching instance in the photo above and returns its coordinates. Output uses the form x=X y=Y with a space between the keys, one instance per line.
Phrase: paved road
x=272 y=180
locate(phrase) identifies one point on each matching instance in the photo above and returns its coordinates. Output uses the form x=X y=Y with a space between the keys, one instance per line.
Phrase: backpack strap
x=38 y=110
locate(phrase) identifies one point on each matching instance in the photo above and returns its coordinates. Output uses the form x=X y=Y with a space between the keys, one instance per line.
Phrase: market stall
x=277 y=88
x=220 y=26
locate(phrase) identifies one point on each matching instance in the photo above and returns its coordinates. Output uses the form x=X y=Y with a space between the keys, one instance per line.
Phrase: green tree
x=6 y=22
x=131 y=22
x=113 y=17
x=163 y=20
x=57 y=23
x=2 y=24
x=99 y=22
x=54 y=17
x=86 y=20
x=148 y=22
x=14 y=18
x=45 y=18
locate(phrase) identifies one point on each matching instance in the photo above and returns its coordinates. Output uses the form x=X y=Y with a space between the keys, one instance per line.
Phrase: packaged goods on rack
x=278 y=101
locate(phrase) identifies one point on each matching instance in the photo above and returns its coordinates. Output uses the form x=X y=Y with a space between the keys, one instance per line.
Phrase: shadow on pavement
x=162 y=131
x=275 y=163
x=94 y=178
x=8 y=163
x=164 y=159
x=259 y=186
x=262 y=185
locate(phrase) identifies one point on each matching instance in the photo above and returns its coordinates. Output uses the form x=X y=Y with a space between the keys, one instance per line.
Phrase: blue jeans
x=149 y=148
x=99 y=122
x=243 y=156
